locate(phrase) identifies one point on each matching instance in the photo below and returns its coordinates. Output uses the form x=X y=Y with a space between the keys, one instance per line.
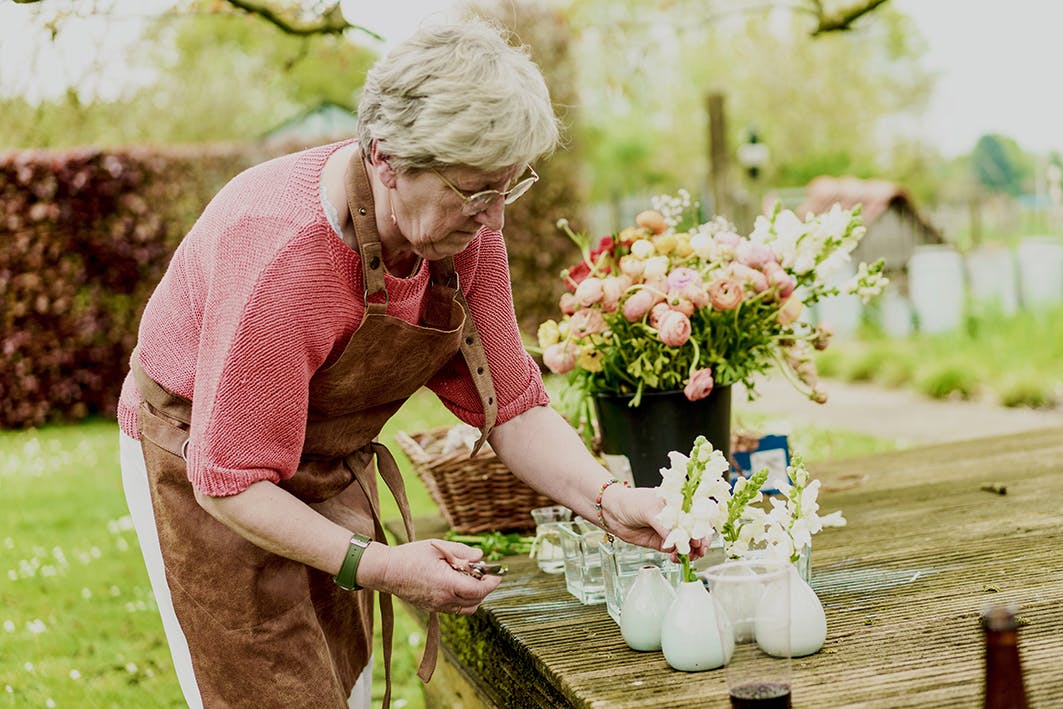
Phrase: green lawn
x=79 y=625
x=1013 y=361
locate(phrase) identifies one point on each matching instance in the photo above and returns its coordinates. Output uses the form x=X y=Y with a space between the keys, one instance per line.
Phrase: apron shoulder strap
x=363 y=217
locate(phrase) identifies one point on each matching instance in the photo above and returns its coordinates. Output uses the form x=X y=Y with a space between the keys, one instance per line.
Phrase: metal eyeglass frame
x=477 y=202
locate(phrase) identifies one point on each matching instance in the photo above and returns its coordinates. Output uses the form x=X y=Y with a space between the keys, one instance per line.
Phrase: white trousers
x=138 y=498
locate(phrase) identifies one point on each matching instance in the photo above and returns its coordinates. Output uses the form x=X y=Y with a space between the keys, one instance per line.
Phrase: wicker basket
x=475 y=495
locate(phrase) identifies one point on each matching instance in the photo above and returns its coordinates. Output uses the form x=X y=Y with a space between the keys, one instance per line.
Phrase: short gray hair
x=457 y=95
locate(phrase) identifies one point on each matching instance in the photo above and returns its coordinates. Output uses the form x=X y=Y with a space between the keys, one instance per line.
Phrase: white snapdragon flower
x=868 y=282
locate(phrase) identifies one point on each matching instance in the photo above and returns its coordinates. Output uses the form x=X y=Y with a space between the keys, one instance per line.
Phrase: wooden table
x=925 y=551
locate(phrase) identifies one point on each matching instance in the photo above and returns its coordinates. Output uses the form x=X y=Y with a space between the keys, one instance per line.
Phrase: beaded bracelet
x=598 y=500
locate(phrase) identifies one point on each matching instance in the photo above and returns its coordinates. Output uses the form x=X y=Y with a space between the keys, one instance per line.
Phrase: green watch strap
x=345 y=578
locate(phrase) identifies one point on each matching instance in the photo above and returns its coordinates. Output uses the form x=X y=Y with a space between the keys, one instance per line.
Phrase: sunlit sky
x=996 y=62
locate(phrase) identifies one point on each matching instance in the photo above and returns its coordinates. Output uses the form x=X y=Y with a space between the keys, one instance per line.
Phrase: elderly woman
x=314 y=295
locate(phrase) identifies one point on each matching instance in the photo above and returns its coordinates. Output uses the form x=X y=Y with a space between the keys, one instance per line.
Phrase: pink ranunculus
x=725 y=294
x=657 y=312
x=697 y=295
x=589 y=291
x=790 y=310
x=612 y=288
x=727 y=238
x=754 y=254
x=744 y=274
x=560 y=357
x=780 y=279
x=585 y=322
x=637 y=305
x=674 y=328
x=569 y=304
x=676 y=301
x=681 y=276
x=658 y=285
x=700 y=384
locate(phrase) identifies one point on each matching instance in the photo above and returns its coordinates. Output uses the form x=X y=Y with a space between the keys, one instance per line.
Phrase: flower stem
x=688 y=570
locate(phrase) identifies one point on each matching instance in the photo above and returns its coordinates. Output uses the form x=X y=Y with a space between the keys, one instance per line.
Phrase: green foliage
x=997 y=164
x=815 y=102
x=213 y=77
x=1011 y=360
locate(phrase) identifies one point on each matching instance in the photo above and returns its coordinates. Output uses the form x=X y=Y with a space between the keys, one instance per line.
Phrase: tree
x=313 y=17
x=193 y=96
x=997 y=164
x=815 y=102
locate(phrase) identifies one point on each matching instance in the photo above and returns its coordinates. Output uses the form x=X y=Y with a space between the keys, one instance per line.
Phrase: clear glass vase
x=620 y=563
x=583 y=564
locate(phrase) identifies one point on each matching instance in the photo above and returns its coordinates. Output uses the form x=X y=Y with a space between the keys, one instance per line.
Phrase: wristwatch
x=345 y=578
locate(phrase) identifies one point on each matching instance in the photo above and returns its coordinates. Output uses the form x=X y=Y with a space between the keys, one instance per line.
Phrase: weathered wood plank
x=925 y=551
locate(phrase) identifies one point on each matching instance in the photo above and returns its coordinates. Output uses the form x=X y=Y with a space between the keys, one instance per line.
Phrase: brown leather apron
x=263 y=630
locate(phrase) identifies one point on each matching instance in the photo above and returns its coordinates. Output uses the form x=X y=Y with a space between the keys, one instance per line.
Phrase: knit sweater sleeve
x=483 y=272
x=263 y=336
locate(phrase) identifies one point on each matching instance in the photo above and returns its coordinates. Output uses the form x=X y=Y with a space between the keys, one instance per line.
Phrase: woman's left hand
x=631 y=514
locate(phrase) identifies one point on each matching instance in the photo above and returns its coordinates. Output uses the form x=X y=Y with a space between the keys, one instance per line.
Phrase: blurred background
x=119 y=119
x=940 y=119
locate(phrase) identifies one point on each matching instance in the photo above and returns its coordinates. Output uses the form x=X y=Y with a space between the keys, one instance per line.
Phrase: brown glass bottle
x=1004 y=688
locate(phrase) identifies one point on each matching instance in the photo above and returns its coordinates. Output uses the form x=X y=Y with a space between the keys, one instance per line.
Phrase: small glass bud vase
x=548 y=553
x=583 y=564
x=621 y=563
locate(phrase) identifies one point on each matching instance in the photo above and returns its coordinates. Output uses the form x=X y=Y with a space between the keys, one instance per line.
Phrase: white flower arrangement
x=699 y=502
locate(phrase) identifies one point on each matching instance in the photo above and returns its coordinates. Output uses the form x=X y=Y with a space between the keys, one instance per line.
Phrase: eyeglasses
x=477 y=202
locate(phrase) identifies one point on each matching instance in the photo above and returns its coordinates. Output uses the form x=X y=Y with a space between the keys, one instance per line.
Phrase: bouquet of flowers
x=699 y=501
x=674 y=304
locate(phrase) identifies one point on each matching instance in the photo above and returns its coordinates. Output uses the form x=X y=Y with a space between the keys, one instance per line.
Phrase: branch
x=331 y=21
x=843 y=18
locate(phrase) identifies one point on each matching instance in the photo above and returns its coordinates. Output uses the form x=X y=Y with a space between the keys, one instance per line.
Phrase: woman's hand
x=426 y=574
x=631 y=514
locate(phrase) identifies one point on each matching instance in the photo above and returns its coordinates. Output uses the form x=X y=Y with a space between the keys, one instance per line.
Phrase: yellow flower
x=665 y=243
x=549 y=334
x=589 y=359
x=683 y=249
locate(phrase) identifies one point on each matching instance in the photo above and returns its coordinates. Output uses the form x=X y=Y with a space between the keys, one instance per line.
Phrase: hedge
x=85 y=235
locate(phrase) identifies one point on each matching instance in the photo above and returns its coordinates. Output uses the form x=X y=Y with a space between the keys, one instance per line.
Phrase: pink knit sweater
x=263 y=292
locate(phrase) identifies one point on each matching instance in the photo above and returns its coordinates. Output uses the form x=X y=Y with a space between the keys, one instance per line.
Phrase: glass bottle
x=1004 y=688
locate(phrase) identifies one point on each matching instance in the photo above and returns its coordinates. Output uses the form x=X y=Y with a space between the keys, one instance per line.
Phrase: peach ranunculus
x=612 y=288
x=790 y=310
x=676 y=301
x=674 y=328
x=755 y=278
x=589 y=291
x=754 y=254
x=696 y=294
x=779 y=278
x=585 y=322
x=568 y=303
x=725 y=294
x=560 y=357
x=700 y=384
x=637 y=305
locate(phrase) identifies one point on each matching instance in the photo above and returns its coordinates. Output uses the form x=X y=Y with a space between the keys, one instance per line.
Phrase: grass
x=79 y=624
x=1013 y=361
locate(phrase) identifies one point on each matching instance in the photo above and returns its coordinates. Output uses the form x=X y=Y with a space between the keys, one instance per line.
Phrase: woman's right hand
x=425 y=573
